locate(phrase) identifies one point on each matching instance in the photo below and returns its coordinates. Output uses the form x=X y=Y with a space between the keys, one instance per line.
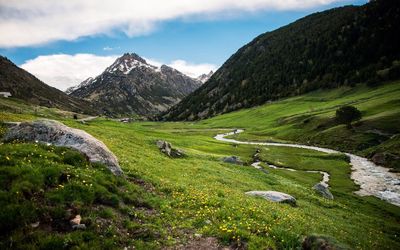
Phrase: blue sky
x=199 y=41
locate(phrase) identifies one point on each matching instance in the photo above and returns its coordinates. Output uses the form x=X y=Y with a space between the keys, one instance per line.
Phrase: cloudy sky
x=65 y=41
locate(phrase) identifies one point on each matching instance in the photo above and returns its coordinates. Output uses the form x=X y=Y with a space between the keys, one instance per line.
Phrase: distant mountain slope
x=205 y=77
x=23 y=85
x=132 y=86
x=341 y=46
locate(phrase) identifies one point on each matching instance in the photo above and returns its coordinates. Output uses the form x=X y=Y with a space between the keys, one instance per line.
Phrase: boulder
x=274 y=196
x=319 y=242
x=167 y=149
x=79 y=227
x=233 y=160
x=323 y=190
x=57 y=134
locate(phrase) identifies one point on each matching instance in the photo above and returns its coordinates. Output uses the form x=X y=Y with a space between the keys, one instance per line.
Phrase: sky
x=64 y=42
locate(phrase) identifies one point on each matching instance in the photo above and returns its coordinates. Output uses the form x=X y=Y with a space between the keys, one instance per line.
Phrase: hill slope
x=23 y=85
x=132 y=86
x=337 y=47
x=310 y=119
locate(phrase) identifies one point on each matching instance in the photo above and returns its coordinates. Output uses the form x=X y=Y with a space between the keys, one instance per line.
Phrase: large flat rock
x=274 y=196
x=58 y=134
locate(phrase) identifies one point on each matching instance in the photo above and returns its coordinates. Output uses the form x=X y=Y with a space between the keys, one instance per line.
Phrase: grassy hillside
x=309 y=119
x=25 y=86
x=165 y=201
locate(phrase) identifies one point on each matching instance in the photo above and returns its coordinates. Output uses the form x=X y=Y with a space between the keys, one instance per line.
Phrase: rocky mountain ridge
x=133 y=86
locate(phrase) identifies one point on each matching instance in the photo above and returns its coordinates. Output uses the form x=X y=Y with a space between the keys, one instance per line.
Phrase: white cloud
x=192 y=70
x=63 y=71
x=34 y=22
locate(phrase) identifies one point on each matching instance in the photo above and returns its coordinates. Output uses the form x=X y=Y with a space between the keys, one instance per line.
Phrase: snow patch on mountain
x=83 y=84
x=204 y=77
x=128 y=62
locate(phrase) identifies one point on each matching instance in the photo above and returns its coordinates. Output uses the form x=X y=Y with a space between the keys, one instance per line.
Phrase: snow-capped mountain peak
x=127 y=62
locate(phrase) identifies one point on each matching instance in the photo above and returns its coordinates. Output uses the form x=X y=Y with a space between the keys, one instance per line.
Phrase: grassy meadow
x=164 y=202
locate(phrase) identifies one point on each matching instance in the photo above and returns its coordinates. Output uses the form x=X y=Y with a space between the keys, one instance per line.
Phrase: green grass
x=50 y=185
x=208 y=196
x=309 y=119
x=199 y=193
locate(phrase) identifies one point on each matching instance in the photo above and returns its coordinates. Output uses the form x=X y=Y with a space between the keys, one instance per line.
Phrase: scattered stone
x=35 y=225
x=79 y=227
x=167 y=149
x=76 y=220
x=125 y=120
x=274 y=196
x=56 y=133
x=316 y=242
x=323 y=190
x=233 y=160
x=197 y=236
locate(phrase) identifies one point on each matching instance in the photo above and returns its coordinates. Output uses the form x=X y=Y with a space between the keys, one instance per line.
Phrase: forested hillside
x=341 y=46
x=23 y=85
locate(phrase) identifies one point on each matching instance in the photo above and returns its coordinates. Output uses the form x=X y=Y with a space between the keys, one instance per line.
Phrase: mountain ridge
x=23 y=85
x=133 y=86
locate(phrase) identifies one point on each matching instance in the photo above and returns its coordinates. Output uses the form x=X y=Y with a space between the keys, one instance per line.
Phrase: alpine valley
x=293 y=143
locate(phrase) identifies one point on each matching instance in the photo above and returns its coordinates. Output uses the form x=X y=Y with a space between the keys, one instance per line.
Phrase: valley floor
x=176 y=199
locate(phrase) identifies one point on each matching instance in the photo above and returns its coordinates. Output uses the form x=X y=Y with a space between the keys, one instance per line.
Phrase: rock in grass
x=56 y=133
x=76 y=220
x=323 y=190
x=318 y=242
x=167 y=149
x=274 y=196
x=233 y=160
x=79 y=227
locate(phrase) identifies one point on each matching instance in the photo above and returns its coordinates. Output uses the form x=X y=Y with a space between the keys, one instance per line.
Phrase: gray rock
x=79 y=227
x=233 y=160
x=274 y=196
x=320 y=242
x=167 y=149
x=323 y=190
x=57 y=134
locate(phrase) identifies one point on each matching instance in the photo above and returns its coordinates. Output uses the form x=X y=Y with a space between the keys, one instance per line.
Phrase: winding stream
x=372 y=179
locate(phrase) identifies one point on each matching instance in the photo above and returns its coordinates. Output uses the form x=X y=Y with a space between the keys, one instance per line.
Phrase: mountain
x=341 y=46
x=23 y=85
x=133 y=86
x=81 y=85
x=205 y=77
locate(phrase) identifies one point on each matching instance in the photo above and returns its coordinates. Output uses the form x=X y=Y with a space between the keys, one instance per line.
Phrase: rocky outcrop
x=167 y=149
x=323 y=191
x=318 y=242
x=233 y=160
x=56 y=133
x=274 y=196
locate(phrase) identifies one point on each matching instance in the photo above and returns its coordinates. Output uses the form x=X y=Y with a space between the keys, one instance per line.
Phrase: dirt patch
x=202 y=243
